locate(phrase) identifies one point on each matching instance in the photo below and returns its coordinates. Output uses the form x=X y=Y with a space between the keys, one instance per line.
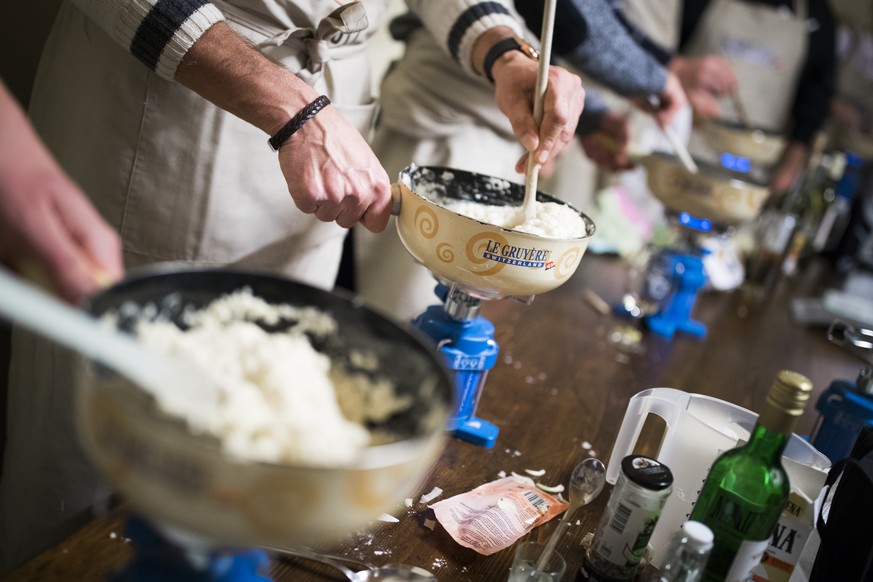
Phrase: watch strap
x=503 y=46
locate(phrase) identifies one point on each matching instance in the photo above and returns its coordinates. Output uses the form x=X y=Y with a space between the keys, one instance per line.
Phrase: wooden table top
x=559 y=383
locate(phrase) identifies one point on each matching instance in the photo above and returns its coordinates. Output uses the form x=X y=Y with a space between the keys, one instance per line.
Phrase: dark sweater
x=593 y=38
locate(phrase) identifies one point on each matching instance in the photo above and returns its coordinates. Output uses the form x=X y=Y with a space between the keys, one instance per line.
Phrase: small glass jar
x=627 y=523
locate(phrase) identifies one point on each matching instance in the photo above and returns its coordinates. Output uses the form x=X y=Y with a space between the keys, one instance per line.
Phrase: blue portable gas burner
x=684 y=277
x=465 y=341
x=162 y=557
x=846 y=407
x=673 y=278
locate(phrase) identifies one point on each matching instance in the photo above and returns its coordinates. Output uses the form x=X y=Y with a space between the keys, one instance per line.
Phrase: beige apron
x=765 y=47
x=659 y=20
x=182 y=181
x=433 y=113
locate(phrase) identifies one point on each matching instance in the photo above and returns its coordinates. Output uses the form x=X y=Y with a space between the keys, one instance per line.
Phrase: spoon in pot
x=533 y=167
x=674 y=139
x=586 y=482
x=398 y=572
x=176 y=383
x=742 y=116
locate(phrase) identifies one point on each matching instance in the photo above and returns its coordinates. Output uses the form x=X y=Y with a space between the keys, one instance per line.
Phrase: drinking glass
x=524 y=561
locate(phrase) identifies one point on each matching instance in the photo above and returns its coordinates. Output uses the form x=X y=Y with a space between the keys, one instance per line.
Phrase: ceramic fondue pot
x=722 y=196
x=488 y=261
x=759 y=146
x=185 y=483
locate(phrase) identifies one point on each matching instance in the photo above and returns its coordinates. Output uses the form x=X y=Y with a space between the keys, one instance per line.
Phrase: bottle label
x=788 y=540
x=735 y=520
x=747 y=558
x=624 y=540
x=742 y=531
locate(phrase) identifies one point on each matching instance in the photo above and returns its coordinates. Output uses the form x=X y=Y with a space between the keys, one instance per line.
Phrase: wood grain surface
x=560 y=383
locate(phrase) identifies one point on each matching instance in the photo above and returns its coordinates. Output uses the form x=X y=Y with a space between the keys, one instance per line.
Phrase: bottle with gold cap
x=747 y=488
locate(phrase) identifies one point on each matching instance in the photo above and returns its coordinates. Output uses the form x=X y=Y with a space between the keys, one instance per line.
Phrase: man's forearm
x=20 y=148
x=224 y=69
x=484 y=43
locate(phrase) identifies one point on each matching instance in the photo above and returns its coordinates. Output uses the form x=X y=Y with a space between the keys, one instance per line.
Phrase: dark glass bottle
x=747 y=487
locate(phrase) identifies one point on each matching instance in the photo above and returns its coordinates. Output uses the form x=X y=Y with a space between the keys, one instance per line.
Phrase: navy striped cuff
x=467 y=19
x=158 y=27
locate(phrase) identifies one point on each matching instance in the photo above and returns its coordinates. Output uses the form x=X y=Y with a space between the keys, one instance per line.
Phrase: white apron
x=182 y=181
x=765 y=47
x=433 y=113
x=659 y=20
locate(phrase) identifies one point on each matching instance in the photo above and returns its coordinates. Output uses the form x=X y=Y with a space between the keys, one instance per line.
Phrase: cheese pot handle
x=668 y=403
x=396 y=199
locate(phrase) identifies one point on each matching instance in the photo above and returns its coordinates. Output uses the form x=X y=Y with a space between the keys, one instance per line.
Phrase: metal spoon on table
x=533 y=167
x=369 y=572
x=586 y=482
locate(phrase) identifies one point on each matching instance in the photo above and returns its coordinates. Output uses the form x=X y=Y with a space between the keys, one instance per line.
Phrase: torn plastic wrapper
x=495 y=515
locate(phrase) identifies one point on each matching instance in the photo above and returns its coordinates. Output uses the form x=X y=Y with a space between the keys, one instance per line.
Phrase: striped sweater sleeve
x=157 y=32
x=457 y=24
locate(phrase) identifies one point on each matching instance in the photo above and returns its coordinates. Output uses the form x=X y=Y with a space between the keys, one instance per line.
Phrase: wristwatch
x=513 y=43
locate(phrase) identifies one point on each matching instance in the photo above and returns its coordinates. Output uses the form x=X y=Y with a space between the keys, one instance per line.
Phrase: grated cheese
x=280 y=399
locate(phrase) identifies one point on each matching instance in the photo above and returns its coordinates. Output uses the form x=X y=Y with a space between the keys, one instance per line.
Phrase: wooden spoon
x=533 y=167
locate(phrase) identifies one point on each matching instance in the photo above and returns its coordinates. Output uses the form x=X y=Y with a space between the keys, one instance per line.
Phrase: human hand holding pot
x=330 y=170
x=336 y=176
x=670 y=101
x=704 y=79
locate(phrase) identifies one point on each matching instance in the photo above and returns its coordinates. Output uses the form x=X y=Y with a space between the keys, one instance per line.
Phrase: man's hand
x=845 y=115
x=330 y=170
x=608 y=146
x=704 y=79
x=789 y=169
x=515 y=88
x=515 y=79
x=670 y=101
x=48 y=228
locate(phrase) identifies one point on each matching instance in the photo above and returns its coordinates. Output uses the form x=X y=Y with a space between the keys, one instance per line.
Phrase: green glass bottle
x=747 y=488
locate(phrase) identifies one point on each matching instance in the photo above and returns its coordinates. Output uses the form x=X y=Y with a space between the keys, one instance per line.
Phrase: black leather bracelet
x=504 y=46
x=297 y=122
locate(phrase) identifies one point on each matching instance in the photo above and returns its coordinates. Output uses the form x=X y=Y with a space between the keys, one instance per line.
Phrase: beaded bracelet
x=297 y=122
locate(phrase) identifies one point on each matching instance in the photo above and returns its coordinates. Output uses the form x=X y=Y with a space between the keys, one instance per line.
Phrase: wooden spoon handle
x=533 y=167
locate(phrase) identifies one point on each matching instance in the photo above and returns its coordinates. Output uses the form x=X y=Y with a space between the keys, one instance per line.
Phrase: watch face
x=528 y=49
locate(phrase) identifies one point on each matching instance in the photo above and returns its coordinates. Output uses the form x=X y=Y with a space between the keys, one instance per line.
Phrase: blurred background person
x=774 y=57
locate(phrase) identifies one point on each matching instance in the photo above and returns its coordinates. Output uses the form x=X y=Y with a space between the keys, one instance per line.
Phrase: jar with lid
x=626 y=525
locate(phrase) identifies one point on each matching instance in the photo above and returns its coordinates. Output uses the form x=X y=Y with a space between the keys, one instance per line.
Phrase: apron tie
x=315 y=44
